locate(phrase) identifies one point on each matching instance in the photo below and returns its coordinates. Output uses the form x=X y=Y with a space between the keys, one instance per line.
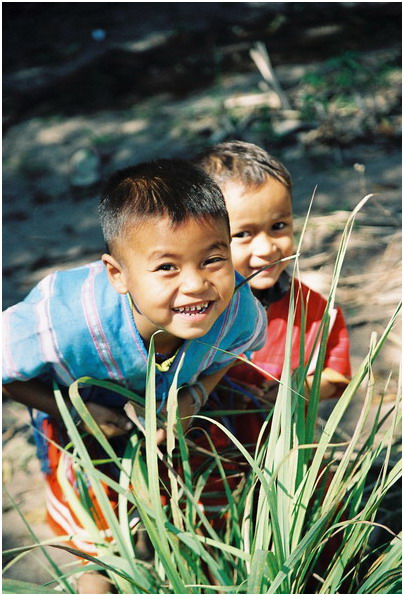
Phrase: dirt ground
x=75 y=126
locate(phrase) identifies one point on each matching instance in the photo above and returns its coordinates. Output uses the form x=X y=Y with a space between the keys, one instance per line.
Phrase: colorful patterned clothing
x=74 y=324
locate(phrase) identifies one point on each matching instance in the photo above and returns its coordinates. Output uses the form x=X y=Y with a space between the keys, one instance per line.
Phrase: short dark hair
x=245 y=162
x=165 y=187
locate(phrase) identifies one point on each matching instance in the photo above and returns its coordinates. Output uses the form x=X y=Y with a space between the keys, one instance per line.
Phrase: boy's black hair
x=245 y=162
x=166 y=187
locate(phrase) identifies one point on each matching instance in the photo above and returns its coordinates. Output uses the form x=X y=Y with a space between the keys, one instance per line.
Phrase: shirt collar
x=277 y=291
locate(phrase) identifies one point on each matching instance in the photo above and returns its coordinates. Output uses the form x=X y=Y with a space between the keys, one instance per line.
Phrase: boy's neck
x=167 y=344
x=164 y=343
x=276 y=292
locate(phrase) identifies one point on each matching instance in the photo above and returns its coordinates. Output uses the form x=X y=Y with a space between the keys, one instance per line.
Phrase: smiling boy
x=167 y=290
x=258 y=193
x=167 y=268
x=261 y=229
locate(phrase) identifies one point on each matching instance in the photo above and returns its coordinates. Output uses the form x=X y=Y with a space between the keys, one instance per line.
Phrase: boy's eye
x=280 y=225
x=243 y=234
x=211 y=260
x=166 y=267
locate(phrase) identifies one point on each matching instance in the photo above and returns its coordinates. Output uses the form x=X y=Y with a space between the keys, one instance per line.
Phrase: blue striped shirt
x=74 y=324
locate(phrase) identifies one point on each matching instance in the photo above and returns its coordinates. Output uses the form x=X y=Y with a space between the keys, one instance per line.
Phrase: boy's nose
x=263 y=245
x=193 y=283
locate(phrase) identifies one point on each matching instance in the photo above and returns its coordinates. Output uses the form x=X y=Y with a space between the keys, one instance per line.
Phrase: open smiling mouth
x=193 y=310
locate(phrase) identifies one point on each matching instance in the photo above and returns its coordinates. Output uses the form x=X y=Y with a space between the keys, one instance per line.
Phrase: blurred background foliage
x=92 y=87
x=84 y=57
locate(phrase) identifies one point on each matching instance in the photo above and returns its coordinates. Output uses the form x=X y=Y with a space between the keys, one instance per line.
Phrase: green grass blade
x=112 y=563
x=95 y=430
x=330 y=428
x=128 y=460
x=99 y=491
x=82 y=513
x=257 y=574
x=112 y=387
x=347 y=457
x=385 y=571
x=16 y=586
x=162 y=542
x=172 y=407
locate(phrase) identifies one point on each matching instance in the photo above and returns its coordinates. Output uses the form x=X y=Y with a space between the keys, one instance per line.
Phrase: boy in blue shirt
x=168 y=268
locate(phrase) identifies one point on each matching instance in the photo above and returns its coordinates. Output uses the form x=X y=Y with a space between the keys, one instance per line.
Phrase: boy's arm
x=332 y=383
x=186 y=401
x=337 y=367
x=35 y=394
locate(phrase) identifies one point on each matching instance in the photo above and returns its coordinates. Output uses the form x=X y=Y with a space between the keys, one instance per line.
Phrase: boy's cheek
x=231 y=283
x=240 y=260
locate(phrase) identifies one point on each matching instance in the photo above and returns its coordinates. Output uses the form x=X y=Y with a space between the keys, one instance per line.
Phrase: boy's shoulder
x=69 y=294
x=64 y=280
x=243 y=315
x=69 y=326
x=78 y=274
x=71 y=282
x=305 y=297
x=307 y=289
x=303 y=291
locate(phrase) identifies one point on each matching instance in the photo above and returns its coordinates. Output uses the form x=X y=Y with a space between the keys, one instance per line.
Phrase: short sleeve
x=29 y=347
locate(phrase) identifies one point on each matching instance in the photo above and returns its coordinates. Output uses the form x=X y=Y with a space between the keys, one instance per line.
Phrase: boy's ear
x=115 y=273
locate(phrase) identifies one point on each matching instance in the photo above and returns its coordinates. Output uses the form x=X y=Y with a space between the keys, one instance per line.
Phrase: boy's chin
x=194 y=333
x=262 y=285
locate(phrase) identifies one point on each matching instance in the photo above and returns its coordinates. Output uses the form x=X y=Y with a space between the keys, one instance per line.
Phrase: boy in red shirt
x=257 y=190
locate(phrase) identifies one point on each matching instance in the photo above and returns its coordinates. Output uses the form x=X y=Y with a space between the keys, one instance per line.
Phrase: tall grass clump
x=307 y=516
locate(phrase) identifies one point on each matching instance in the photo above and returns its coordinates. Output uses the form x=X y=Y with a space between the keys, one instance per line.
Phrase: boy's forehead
x=164 y=222
x=161 y=235
x=240 y=187
x=275 y=194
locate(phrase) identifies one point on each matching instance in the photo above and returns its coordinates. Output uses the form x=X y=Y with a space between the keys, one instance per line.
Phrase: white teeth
x=191 y=309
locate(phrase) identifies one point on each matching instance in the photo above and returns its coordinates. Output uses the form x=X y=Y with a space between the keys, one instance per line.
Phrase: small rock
x=85 y=168
x=287 y=127
x=7 y=471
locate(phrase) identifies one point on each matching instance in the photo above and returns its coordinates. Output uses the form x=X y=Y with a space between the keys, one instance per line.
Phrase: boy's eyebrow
x=284 y=214
x=245 y=220
x=160 y=254
x=218 y=245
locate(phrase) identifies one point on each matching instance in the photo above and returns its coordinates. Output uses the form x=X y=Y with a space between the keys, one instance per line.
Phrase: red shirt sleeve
x=271 y=357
